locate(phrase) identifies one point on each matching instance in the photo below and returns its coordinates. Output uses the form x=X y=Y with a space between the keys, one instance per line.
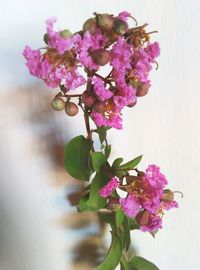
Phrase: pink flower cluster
x=145 y=198
x=64 y=58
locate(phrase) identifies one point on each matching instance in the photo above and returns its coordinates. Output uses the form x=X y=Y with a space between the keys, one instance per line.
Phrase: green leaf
x=98 y=160
x=124 y=264
x=131 y=164
x=102 y=132
x=126 y=230
x=119 y=217
x=77 y=153
x=95 y=200
x=107 y=150
x=83 y=205
x=133 y=225
x=139 y=263
x=117 y=162
x=112 y=259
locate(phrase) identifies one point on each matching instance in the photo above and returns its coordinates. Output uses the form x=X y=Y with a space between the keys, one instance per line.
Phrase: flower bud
x=100 y=57
x=143 y=217
x=45 y=38
x=71 y=108
x=141 y=88
x=58 y=104
x=65 y=33
x=88 y=99
x=105 y=22
x=91 y=26
x=99 y=107
x=132 y=104
x=168 y=196
x=120 y=27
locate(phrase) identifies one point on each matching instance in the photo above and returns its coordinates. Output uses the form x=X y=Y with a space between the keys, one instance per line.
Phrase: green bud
x=65 y=33
x=120 y=27
x=71 y=108
x=58 y=104
x=168 y=196
x=91 y=26
x=100 y=56
x=88 y=99
x=105 y=22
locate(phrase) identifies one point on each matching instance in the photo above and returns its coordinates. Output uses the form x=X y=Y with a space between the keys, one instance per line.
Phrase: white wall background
x=164 y=126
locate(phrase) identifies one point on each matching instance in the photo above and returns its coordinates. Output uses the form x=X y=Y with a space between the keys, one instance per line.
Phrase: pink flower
x=99 y=89
x=112 y=120
x=124 y=15
x=74 y=80
x=153 y=51
x=121 y=55
x=169 y=205
x=32 y=59
x=87 y=43
x=154 y=177
x=153 y=223
x=56 y=41
x=109 y=187
x=130 y=205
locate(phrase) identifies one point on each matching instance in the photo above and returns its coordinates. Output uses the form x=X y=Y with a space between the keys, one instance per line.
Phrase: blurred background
x=39 y=229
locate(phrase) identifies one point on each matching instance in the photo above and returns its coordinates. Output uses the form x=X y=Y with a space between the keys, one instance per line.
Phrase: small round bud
x=65 y=33
x=132 y=104
x=142 y=89
x=99 y=107
x=45 y=38
x=71 y=108
x=91 y=26
x=143 y=218
x=100 y=57
x=105 y=22
x=120 y=27
x=58 y=104
x=168 y=196
x=88 y=99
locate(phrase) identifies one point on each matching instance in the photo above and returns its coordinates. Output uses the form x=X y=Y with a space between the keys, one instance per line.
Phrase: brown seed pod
x=91 y=26
x=58 y=104
x=168 y=196
x=100 y=56
x=105 y=22
x=71 y=108
x=88 y=99
x=100 y=107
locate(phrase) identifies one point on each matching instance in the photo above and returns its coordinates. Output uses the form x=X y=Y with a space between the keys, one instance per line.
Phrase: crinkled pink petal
x=109 y=187
x=130 y=205
x=154 y=223
x=121 y=55
x=169 y=205
x=155 y=177
x=99 y=89
x=124 y=15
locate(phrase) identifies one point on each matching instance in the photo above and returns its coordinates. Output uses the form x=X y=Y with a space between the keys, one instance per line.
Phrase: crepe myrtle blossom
x=104 y=40
x=146 y=199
